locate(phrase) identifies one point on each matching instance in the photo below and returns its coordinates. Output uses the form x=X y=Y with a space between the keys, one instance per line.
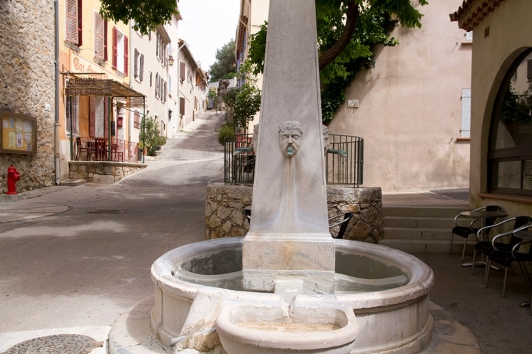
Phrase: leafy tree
x=223 y=67
x=147 y=14
x=348 y=32
x=150 y=136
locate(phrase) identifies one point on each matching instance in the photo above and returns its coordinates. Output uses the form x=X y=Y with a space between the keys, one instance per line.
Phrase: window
x=100 y=37
x=157 y=85
x=138 y=66
x=74 y=22
x=466 y=113
x=160 y=49
x=170 y=85
x=510 y=139
x=182 y=70
x=469 y=36
x=136 y=120
x=120 y=51
x=182 y=106
x=72 y=115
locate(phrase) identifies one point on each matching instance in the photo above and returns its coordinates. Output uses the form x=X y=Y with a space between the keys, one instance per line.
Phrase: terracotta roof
x=472 y=12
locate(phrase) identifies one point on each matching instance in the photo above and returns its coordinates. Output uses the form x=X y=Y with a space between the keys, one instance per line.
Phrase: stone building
x=27 y=86
x=501 y=123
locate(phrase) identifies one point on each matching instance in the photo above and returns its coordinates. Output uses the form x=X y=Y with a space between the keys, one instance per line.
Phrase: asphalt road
x=88 y=260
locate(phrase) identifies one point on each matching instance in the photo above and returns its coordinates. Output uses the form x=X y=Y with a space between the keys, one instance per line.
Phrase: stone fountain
x=287 y=286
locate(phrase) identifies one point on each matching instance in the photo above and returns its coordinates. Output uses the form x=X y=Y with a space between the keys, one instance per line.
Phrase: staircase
x=416 y=229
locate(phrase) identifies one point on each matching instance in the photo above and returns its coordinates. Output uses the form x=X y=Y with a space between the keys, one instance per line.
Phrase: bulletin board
x=18 y=133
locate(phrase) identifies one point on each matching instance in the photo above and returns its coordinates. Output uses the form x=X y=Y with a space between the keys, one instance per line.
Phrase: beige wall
x=410 y=107
x=510 y=31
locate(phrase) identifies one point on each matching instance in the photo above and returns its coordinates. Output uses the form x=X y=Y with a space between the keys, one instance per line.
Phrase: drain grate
x=57 y=344
x=106 y=211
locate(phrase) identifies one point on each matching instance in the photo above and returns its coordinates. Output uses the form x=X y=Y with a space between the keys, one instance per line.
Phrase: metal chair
x=80 y=148
x=100 y=148
x=343 y=224
x=465 y=231
x=504 y=257
x=115 y=154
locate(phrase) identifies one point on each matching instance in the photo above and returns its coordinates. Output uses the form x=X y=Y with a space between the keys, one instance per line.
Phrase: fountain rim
x=421 y=276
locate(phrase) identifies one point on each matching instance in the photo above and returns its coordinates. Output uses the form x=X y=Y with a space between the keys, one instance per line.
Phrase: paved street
x=73 y=260
x=84 y=255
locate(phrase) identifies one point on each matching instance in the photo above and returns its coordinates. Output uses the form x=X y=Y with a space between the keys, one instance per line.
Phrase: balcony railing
x=344 y=160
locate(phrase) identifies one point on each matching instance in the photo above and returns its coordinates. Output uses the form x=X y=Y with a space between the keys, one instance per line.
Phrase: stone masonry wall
x=27 y=84
x=225 y=203
x=102 y=172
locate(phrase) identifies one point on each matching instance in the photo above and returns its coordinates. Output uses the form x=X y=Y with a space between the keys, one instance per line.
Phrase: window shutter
x=68 y=118
x=466 y=113
x=98 y=36
x=126 y=55
x=182 y=106
x=105 y=117
x=157 y=85
x=72 y=21
x=92 y=116
x=105 y=56
x=529 y=69
x=80 y=23
x=157 y=45
x=136 y=63
x=115 y=47
x=165 y=90
x=170 y=84
x=182 y=71
x=141 y=69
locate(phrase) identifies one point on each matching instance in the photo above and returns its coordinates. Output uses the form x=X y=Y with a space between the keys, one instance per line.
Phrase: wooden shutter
x=115 y=47
x=157 y=85
x=80 y=23
x=72 y=21
x=182 y=106
x=182 y=71
x=136 y=63
x=126 y=55
x=98 y=36
x=105 y=56
x=529 y=69
x=141 y=69
x=92 y=116
x=105 y=117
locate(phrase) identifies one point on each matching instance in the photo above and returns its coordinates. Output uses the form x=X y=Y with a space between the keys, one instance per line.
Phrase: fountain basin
x=270 y=330
x=392 y=314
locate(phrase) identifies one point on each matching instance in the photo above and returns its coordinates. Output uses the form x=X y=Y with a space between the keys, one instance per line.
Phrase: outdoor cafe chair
x=80 y=148
x=472 y=228
x=502 y=253
x=117 y=155
x=100 y=148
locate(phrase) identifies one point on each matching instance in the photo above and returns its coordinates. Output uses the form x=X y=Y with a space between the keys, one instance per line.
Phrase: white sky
x=206 y=26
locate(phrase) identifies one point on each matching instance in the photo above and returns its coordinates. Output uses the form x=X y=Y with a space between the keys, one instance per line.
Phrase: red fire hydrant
x=12 y=177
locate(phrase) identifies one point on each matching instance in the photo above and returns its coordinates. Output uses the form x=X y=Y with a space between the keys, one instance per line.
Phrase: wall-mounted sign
x=18 y=133
x=84 y=87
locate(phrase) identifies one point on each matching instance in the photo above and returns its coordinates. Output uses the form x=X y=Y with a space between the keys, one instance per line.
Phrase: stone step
x=425 y=211
x=407 y=233
x=431 y=246
x=418 y=222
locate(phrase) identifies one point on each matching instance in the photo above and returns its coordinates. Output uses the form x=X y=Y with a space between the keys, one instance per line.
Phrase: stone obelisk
x=289 y=239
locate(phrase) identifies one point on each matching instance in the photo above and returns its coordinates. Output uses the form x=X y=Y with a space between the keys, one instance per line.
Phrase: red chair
x=100 y=149
x=115 y=154
x=80 y=149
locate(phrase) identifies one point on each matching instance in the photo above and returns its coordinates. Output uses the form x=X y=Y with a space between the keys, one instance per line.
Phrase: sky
x=206 y=26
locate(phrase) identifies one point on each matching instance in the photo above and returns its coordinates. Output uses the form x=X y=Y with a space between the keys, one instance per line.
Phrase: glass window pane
x=515 y=120
x=508 y=174
x=527 y=174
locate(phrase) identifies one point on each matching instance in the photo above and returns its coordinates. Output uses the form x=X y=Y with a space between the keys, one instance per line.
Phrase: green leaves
x=146 y=14
x=223 y=67
x=150 y=136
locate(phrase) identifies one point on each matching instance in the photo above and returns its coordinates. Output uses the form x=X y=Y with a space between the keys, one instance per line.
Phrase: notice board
x=18 y=133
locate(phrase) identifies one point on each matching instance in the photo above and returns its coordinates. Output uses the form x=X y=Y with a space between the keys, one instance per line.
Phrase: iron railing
x=344 y=160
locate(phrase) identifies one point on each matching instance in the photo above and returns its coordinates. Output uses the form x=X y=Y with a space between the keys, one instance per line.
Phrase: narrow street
x=87 y=263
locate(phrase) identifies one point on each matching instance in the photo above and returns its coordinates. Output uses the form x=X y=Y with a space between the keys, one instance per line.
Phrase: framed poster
x=18 y=133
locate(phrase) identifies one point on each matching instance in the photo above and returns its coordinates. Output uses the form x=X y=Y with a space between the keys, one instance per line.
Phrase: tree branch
x=345 y=38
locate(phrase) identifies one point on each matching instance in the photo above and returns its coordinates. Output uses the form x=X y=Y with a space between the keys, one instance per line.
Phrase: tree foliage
x=150 y=136
x=223 y=67
x=146 y=14
x=348 y=32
